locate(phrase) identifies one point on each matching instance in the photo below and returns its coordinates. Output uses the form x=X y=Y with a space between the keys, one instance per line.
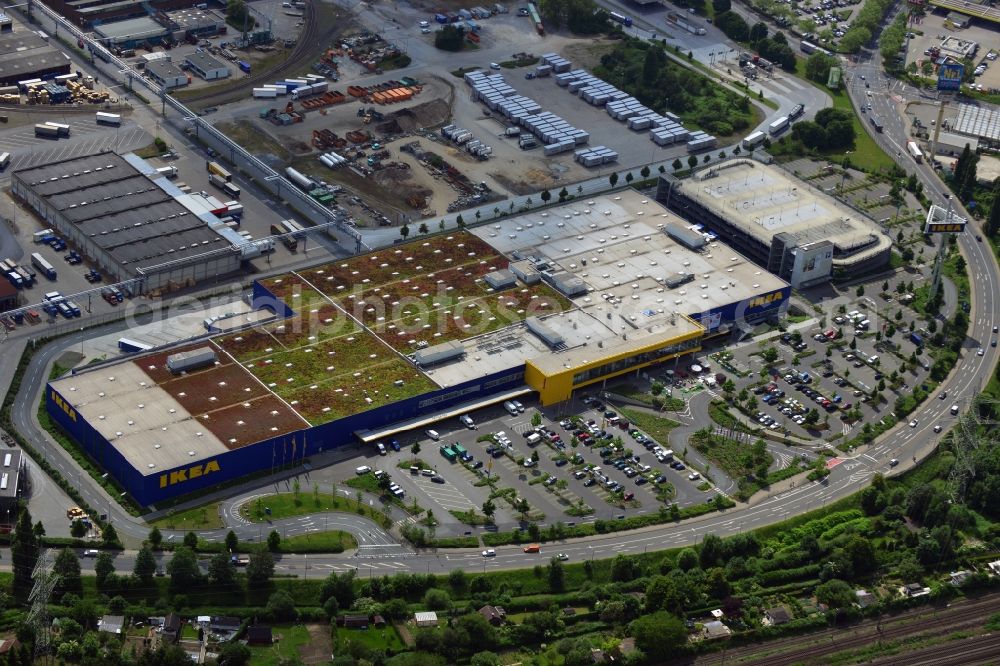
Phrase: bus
x=38 y=261
x=754 y=140
x=914 y=150
x=216 y=168
x=876 y=123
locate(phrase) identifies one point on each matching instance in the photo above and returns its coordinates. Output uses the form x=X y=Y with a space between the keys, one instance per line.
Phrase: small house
x=378 y=621
x=994 y=567
x=958 y=578
x=111 y=624
x=426 y=619
x=259 y=635
x=864 y=598
x=171 y=630
x=353 y=621
x=716 y=630
x=495 y=615
x=777 y=616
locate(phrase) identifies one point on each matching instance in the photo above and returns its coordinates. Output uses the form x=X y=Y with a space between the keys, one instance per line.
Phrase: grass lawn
x=333 y=541
x=633 y=392
x=386 y=638
x=866 y=154
x=285 y=649
x=199 y=518
x=287 y=505
x=656 y=427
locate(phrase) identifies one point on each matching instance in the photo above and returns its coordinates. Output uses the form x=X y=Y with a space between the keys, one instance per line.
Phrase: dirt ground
x=587 y=55
x=320 y=646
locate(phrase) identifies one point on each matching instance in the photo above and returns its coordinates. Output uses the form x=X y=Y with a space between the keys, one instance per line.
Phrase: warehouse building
x=13 y=483
x=167 y=74
x=131 y=33
x=206 y=66
x=90 y=13
x=25 y=55
x=798 y=233
x=131 y=225
x=192 y=23
x=412 y=334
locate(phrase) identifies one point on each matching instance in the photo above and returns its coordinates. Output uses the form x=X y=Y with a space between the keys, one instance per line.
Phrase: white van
x=533 y=439
x=425 y=24
x=954 y=410
x=433 y=434
x=864 y=324
x=510 y=407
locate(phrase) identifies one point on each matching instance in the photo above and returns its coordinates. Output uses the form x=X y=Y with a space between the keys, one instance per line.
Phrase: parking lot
x=935 y=28
x=611 y=472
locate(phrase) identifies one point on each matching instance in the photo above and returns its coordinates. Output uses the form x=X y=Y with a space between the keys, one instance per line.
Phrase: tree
x=659 y=634
x=183 y=569
x=155 y=538
x=261 y=568
x=234 y=653
x=992 y=224
x=109 y=536
x=104 y=567
x=835 y=593
x=423 y=228
x=545 y=196
x=191 y=540
x=692 y=161
x=274 y=541
x=721 y=6
x=457 y=580
x=460 y=221
x=340 y=586
x=644 y=171
x=769 y=354
x=145 y=565
x=221 y=571
x=67 y=567
x=77 y=529
x=613 y=179
x=24 y=555
x=563 y=193
x=757 y=33
x=450 y=38
x=818 y=67
x=489 y=508
x=557 y=577
x=404 y=231
x=281 y=607
x=437 y=600
x=232 y=541
x=623 y=568
x=677 y=165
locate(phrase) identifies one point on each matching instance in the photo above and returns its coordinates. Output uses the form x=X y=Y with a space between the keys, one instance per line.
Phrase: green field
x=204 y=517
x=656 y=427
x=285 y=649
x=287 y=505
x=333 y=541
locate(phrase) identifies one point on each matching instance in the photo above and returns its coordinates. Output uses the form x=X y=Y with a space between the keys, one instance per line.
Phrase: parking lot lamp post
x=591 y=553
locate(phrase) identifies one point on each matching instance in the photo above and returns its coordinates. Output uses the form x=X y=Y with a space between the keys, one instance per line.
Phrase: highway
x=380 y=552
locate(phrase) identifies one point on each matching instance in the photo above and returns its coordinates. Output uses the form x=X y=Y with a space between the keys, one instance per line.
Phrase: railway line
x=925 y=622
x=308 y=48
x=971 y=651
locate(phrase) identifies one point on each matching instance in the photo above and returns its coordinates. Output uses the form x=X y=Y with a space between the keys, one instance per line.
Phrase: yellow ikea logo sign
x=182 y=475
x=63 y=405
x=759 y=301
x=939 y=228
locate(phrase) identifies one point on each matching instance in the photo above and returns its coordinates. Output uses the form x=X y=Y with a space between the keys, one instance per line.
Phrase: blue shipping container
x=917 y=340
x=244 y=65
x=440 y=18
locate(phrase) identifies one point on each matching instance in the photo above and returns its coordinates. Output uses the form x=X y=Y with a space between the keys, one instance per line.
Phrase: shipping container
x=131 y=346
x=244 y=66
x=754 y=140
x=62 y=129
x=47 y=131
x=108 y=118
x=218 y=170
x=264 y=93
x=231 y=189
x=778 y=125
x=38 y=261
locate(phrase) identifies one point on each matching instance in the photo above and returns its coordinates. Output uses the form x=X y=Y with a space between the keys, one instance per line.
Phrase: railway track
x=307 y=50
x=925 y=622
x=965 y=652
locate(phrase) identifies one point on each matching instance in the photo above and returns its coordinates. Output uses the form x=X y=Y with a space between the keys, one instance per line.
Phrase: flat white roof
x=140 y=419
x=764 y=200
